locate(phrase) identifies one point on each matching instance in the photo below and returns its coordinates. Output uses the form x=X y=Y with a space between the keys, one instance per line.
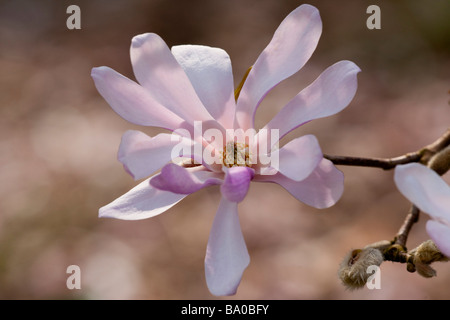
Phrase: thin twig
x=385 y=164
x=422 y=155
x=440 y=143
x=411 y=218
x=396 y=250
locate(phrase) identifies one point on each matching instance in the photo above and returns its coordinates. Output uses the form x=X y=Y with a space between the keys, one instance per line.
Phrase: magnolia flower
x=189 y=90
x=426 y=189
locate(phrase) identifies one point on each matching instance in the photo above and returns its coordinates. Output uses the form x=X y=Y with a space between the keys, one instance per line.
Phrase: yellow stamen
x=236 y=154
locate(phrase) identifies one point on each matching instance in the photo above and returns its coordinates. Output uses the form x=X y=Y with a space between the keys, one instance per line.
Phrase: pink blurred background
x=59 y=138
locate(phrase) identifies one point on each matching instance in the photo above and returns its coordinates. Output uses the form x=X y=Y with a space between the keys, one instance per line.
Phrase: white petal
x=132 y=102
x=299 y=157
x=209 y=70
x=142 y=155
x=141 y=202
x=226 y=254
x=157 y=70
x=236 y=183
x=177 y=179
x=331 y=92
x=425 y=188
x=321 y=189
x=290 y=48
x=440 y=234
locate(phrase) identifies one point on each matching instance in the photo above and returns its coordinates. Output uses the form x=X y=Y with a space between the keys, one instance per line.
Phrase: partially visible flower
x=190 y=84
x=429 y=192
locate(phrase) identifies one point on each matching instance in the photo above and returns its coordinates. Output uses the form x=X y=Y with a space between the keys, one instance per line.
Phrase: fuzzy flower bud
x=353 y=270
x=440 y=162
x=425 y=254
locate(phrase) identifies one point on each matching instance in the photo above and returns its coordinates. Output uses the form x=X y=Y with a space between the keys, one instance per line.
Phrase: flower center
x=236 y=154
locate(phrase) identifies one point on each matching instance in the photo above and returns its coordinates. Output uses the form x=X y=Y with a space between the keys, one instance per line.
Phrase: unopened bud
x=440 y=162
x=353 y=269
x=424 y=255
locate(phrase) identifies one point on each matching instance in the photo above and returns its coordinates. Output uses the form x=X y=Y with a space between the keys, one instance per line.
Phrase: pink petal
x=290 y=48
x=236 y=183
x=142 y=155
x=157 y=70
x=181 y=180
x=226 y=253
x=440 y=234
x=141 y=202
x=425 y=188
x=321 y=189
x=331 y=92
x=209 y=70
x=132 y=102
x=299 y=157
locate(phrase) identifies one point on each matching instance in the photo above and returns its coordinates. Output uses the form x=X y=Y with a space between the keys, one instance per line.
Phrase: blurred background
x=59 y=139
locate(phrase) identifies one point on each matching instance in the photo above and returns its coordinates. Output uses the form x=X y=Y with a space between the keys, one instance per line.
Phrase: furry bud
x=425 y=254
x=353 y=269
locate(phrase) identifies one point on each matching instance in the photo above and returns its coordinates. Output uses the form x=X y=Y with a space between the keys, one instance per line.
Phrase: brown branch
x=385 y=164
x=411 y=218
x=439 y=144
x=423 y=155
x=435 y=155
x=397 y=253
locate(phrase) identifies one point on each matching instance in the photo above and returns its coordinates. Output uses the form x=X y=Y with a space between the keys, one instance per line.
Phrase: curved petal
x=141 y=202
x=425 y=188
x=290 y=48
x=298 y=158
x=440 y=234
x=209 y=70
x=157 y=70
x=226 y=253
x=236 y=183
x=141 y=155
x=181 y=180
x=321 y=189
x=331 y=92
x=131 y=101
